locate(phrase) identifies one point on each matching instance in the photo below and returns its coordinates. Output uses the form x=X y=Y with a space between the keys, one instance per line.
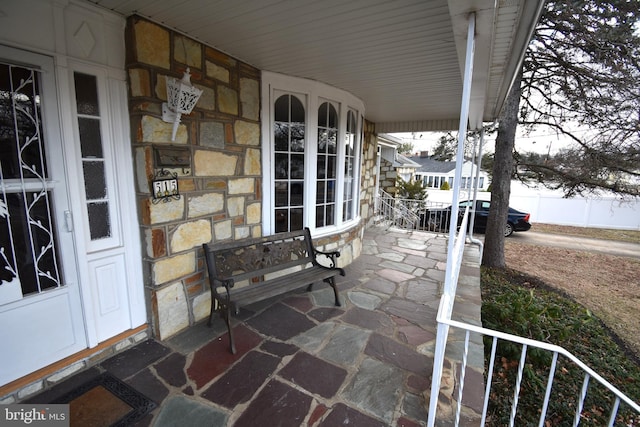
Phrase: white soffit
x=401 y=57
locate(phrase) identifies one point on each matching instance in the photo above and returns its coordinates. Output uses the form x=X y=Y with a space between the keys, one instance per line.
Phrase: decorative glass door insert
x=28 y=254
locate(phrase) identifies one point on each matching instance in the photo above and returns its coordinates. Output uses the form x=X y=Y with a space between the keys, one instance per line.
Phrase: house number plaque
x=165 y=187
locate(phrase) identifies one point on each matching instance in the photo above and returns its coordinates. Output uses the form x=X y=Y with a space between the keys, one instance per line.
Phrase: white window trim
x=315 y=93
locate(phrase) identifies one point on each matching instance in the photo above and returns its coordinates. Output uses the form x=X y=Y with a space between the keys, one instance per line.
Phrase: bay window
x=311 y=155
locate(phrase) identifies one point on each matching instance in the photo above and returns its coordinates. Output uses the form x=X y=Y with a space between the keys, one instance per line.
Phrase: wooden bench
x=250 y=270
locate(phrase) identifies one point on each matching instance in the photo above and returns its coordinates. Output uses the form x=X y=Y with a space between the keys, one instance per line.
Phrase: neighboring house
x=393 y=165
x=283 y=136
x=434 y=173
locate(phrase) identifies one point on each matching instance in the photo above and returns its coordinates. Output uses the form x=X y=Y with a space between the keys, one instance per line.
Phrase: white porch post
x=449 y=286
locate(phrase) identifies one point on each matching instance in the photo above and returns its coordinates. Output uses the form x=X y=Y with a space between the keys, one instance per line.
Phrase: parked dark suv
x=438 y=219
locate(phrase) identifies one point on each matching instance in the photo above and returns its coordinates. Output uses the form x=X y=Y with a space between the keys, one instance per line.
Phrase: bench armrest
x=333 y=255
x=227 y=284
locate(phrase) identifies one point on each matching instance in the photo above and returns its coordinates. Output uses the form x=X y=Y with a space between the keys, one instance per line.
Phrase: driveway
x=608 y=247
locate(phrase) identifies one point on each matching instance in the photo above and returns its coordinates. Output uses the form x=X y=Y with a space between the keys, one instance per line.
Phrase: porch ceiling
x=403 y=58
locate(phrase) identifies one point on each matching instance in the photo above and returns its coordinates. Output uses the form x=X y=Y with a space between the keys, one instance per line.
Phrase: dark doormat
x=105 y=401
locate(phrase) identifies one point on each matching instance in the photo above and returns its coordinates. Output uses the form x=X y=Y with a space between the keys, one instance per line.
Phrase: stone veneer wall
x=388 y=177
x=369 y=174
x=221 y=189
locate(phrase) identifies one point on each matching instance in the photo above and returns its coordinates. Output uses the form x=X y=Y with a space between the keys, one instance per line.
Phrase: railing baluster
x=489 y=377
x=547 y=393
x=516 y=395
x=465 y=355
x=583 y=394
x=614 y=412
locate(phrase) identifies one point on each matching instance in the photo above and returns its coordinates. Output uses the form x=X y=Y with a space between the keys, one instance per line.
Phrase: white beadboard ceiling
x=403 y=58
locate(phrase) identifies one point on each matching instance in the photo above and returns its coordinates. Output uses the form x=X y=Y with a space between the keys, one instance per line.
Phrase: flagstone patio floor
x=302 y=361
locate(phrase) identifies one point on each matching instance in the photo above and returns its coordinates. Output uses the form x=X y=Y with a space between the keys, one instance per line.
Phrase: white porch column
x=451 y=279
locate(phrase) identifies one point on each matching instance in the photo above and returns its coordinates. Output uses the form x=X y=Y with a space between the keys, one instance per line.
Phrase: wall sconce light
x=182 y=97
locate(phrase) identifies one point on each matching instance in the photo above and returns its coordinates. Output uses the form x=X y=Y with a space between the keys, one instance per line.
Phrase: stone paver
x=314 y=374
x=242 y=380
x=375 y=389
x=276 y=401
x=303 y=361
x=182 y=411
x=346 y=344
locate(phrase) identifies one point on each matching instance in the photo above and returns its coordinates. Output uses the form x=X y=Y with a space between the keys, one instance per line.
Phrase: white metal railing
x=445 y=322
x=556 y=351
x=398 y=212
x=413 y=214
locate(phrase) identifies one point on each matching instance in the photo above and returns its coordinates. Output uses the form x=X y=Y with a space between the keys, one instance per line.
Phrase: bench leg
x=310 y=287
x=227 y=319
x=332 y=282
x=213 y=308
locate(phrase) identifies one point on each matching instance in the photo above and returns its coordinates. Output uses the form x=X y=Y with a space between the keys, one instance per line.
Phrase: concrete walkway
x=303 y=361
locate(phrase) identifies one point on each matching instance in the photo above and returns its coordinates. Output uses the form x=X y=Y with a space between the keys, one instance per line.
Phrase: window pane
x=282 y=220
x=333 y=117
x=281 y=136
x=296 y=219
x=20 y=85
x=331 y=167
x=297 y=137
x=297 y=166
x=320 y=193
x=282 y=166
x=95 y=186
x=330 y=217
x=297 y=193
x=331 y=192
x=332 y=141
x=99 y=222
x=29 y=251
x=322 y=167
x=323 y=112
x=86 y=94
x=323 y=140
x=282 y=194
x=297 y=111
x=320 y=216
x=281 y=109
x=90 y=139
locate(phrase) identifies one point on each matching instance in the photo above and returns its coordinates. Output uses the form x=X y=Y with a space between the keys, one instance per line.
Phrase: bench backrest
x=249 y=259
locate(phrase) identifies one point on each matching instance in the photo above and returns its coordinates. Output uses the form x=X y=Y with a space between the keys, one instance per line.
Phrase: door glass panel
x=86 y=94
x=90 y=139
x=28 y=248
x=93 y=161
x=99 y=224
x=95 y=185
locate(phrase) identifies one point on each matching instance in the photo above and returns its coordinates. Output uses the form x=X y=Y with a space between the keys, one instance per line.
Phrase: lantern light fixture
x=182 y=96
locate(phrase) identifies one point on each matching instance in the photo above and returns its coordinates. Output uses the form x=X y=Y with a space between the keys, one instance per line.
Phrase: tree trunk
x=493 y=254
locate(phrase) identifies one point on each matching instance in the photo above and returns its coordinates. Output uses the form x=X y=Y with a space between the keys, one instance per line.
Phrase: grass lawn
x=524 y=305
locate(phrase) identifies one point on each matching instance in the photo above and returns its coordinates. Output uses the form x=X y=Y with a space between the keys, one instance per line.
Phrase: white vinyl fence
x=550 y=208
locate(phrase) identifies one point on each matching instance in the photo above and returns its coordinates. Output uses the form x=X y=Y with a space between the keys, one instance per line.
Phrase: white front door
x=41 y=317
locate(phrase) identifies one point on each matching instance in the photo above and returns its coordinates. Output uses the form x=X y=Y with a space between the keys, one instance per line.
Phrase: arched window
x=289 y=143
